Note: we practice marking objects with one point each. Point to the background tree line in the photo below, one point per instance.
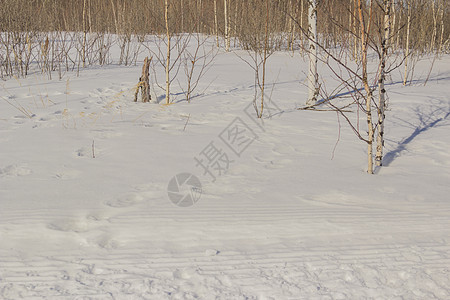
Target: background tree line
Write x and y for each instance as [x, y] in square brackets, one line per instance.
[429, 19]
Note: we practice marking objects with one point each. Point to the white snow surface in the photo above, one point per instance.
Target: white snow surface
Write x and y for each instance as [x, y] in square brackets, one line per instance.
[292, 218]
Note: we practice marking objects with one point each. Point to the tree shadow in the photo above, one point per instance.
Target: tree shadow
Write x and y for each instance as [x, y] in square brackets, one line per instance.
[425, 117]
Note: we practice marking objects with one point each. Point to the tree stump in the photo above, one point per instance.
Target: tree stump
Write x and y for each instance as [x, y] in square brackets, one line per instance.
[143, 84]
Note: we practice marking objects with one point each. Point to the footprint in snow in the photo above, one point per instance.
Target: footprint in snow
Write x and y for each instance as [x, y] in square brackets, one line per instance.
[273, 162]
[84, 152]
[107, 242]
[283, 149]
[212, 252]
[80, 224]
[15, 170]
[125, 200]
[68, 225]
[67, 174]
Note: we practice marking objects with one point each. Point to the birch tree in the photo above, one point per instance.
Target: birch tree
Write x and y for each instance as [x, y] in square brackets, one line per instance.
[441, 40]
[167, 67]
[385, 38]
[227, 26]
[312, 49]
[260, 46]
[265, 55]
[167, 51]
[368, 97]
[408, 30]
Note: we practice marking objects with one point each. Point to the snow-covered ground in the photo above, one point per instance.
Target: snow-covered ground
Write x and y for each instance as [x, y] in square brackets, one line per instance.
[292, 218]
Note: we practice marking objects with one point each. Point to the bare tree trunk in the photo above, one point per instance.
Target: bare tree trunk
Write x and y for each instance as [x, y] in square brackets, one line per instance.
[266, 38]
[435, 24]
[84, 35]
[408, 29]
[182, 16]
[89, 16]
[166, 18]
[227, 29]
[216, 24]
[291, 27]
[302, 5]
[350, 25]
[199, 14]
[399, 26]
[442, 29]
[394, 19]
[364, 44]
[236, 9]
[116, 23]
[144, 84]
[382, 92]
[355, 30]
[312, 31]
[293, 36]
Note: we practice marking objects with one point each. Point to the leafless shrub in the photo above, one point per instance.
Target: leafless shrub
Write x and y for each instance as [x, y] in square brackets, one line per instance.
[197, 60]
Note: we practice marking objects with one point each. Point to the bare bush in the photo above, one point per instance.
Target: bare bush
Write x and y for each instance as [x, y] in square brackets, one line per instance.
[196, 62]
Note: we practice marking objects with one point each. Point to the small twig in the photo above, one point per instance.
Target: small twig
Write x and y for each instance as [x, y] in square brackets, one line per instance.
[93, 149]
[315, 109]
[356, 131]
[339, 136]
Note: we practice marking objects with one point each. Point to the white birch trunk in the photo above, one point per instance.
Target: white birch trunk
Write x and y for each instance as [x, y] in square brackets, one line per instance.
[364, 45]
[442, 29]
[312, 31]
[382, 92]
[166, 17]
[408, 29]
[227, 29]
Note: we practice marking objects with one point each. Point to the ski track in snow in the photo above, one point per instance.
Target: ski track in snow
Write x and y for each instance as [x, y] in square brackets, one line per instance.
[373, 267]
[265, 230]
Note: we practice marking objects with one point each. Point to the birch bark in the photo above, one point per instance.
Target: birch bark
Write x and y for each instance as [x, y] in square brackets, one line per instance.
[227, 29]
[312, 31]
[382, 92]
[167, 67]
[368, 100]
